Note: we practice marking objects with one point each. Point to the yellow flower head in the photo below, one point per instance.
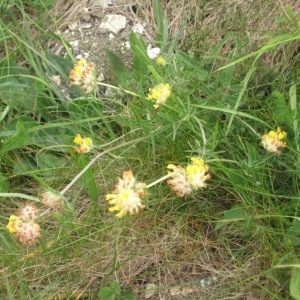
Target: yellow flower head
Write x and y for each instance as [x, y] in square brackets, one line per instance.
[191, 178]
[13, 224]
[23, 226]
[272, 141]
[160, 61]
[126, 196]
[197, 173]
[84, 75]
[85, 144]
[159, 94]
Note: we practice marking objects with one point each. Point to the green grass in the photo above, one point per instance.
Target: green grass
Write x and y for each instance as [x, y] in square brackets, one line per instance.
[237, 238]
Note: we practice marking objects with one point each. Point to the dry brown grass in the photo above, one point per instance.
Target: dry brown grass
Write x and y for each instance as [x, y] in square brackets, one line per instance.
[206, 23]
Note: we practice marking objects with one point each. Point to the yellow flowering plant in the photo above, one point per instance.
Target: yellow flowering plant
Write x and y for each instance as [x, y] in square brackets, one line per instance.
[159, 94]
[160, 61]
[85, 144]
[273, 140]
[185, 180]
[126, 197]
[84, 75]
[24, 226]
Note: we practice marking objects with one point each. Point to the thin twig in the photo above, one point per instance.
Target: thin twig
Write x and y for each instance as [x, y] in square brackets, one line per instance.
[94, 160]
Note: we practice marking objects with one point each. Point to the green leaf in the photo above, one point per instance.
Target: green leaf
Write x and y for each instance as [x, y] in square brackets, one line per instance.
[58, 65]
[106, 294]
[121, 73]
[226, 77]
[27, 122]
[162, 25]
[155, 74]
[159, 19]
[24, 166]
[4, 183]
[236, 213]
[16, 141]
[295, 283]
[141, 60]
[110, 293]
[4, 113]
[53, 137]
[196, 67]
[49, 163]
[293, 233]
[127, 295]
[18, 88]
[80, 109]
[292, 17]
[5, 242]
[89, 180]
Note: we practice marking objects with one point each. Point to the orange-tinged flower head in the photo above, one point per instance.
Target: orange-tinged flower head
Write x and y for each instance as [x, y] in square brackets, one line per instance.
[28, 232]
[28, 212]
[52, 200]
[85, 144]
[193, 177]
[272, 141]
[84, 75]
[160, 93]
[126, 196]
[179, 183]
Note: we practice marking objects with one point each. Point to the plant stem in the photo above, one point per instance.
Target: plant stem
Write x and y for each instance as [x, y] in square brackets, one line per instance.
[95, 159]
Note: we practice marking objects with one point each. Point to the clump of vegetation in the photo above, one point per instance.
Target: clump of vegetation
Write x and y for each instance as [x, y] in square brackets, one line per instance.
[207, 169]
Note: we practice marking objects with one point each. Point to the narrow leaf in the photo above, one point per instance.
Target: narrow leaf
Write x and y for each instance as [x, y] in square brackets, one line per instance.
[295, 283]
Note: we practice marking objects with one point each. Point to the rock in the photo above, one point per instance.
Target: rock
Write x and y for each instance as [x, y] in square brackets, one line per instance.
[86, 25]
[113, 24]
[138, 28]
[104, 3]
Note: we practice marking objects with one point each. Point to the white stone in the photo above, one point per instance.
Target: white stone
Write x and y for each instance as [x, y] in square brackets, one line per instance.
[74, 43]
[113, 24]
[138, 28]
[111, 36]
[86, 25]
[104, 3]
[202, 283]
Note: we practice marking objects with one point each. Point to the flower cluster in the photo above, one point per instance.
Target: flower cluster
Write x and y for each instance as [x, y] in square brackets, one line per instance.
[160, 61]
[84, 75]
[193, 177]
[272, 141]
[85, 144]
[24, 226]
[126, 196]
[52, 200]
[160, 93]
